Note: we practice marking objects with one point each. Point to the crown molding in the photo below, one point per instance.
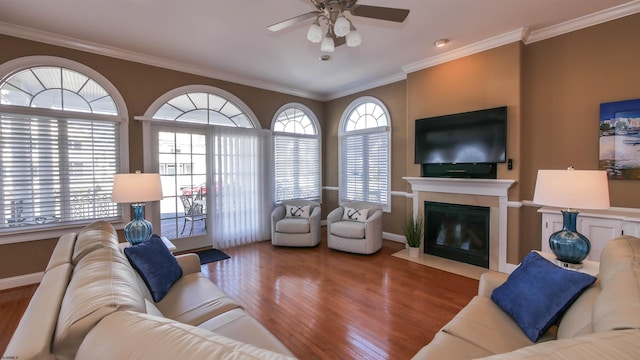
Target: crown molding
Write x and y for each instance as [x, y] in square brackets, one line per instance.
[95, 48]
[368, 86]
[496, 41]
[523, 35]
[593, 19]
[528, 37]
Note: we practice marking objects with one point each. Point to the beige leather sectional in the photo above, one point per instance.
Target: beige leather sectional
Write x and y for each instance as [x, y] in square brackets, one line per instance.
[91, 304]
[603, 323]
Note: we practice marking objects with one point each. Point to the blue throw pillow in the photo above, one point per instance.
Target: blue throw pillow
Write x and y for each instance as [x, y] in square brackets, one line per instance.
[156, 265]
[538, 292]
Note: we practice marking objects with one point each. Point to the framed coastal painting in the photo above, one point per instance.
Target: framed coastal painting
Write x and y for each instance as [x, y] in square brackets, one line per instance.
[620, 139]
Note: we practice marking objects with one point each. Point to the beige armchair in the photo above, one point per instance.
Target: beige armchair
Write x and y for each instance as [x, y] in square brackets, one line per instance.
[355, 227]
[293, 224]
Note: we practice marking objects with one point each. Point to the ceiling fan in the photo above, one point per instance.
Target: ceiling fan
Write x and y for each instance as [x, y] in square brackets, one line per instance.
[340, 30]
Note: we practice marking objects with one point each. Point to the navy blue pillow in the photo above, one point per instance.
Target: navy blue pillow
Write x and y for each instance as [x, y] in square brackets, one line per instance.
[156, 265]
[538, 292]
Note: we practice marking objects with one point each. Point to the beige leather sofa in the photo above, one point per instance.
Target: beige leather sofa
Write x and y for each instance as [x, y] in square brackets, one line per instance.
[91, 304]
[603, 323]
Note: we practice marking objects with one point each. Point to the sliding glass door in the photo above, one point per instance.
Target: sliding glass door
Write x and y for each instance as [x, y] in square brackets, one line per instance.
[181, 155]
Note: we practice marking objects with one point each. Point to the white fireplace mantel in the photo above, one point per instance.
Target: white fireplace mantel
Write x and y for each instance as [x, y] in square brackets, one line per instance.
[488, 187]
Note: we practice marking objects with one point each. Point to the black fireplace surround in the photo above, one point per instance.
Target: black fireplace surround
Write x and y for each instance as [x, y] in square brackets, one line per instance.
[457, 232]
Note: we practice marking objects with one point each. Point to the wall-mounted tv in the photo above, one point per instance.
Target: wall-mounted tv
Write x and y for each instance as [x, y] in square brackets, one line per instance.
[474, 137]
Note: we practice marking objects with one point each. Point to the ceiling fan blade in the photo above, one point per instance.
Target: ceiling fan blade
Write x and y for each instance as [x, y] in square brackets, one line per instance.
[294, 20]
[379, 12]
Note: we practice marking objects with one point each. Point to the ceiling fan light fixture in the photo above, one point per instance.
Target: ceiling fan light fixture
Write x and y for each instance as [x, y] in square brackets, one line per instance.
[342, 26]
[327, 44]
[353, 37]
[340, 29]
[315, 32]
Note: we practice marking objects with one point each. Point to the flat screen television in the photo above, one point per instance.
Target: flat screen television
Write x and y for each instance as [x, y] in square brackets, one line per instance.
[474, 137]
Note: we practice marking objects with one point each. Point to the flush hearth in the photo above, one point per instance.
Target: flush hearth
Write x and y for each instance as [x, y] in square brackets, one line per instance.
[457, 232]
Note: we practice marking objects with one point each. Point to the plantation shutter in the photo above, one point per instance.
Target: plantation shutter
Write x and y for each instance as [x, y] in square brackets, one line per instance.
[297, 167]
[56, 171]
[365, 167]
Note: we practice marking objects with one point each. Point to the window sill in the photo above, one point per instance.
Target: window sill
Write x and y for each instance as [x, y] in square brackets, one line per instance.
[21, 235]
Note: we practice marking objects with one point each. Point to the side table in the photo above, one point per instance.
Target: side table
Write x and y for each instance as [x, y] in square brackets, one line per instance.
[166, 242]
[589, 267]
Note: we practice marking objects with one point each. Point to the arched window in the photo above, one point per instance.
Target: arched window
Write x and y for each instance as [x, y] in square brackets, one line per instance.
[61, 129]
[364, 137]
[204, 107]
[296, 149]
[210, 151]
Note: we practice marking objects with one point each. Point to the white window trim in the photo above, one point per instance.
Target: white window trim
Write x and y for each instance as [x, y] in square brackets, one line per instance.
[155, 106]
[302, 107]
[342, 132]
[147, 119]
[12, 66]
[316, 123]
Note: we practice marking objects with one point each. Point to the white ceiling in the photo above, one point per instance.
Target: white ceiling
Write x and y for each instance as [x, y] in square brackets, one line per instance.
[228, 40]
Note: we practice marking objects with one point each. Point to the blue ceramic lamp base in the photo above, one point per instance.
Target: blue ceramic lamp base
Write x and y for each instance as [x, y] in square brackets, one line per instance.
[569, 246]
[139, 229]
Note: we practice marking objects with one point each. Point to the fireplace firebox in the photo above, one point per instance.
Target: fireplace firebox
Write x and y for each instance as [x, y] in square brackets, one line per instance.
[457, 232]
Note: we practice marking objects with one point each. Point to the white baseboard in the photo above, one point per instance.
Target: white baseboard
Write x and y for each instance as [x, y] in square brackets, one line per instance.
[394, 237]
[21, 280]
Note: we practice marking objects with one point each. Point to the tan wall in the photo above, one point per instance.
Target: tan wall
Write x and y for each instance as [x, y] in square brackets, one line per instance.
[393, 97]
[25, 257]
[553, 89]
[139, 85]
[488, 79]
[566, 79]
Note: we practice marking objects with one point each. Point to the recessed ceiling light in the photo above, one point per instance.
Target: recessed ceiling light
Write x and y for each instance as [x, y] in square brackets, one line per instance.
[441, 42]
[325, 57]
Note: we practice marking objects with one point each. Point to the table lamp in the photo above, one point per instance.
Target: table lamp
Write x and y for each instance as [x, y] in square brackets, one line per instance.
[137, 189]
[571, 189]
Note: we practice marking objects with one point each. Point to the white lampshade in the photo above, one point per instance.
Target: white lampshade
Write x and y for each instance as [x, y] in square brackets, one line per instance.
[315, 33]
[136, 188]
[342, 26]
[572, 189]
[327, 44]
[353, 38]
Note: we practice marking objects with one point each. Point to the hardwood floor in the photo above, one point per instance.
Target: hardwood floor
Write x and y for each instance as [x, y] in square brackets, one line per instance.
[13, 303]
[325, 304]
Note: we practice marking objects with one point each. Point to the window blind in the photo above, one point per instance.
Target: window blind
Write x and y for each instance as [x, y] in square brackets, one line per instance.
[297, 167]
[365, 167]
[56, 171]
